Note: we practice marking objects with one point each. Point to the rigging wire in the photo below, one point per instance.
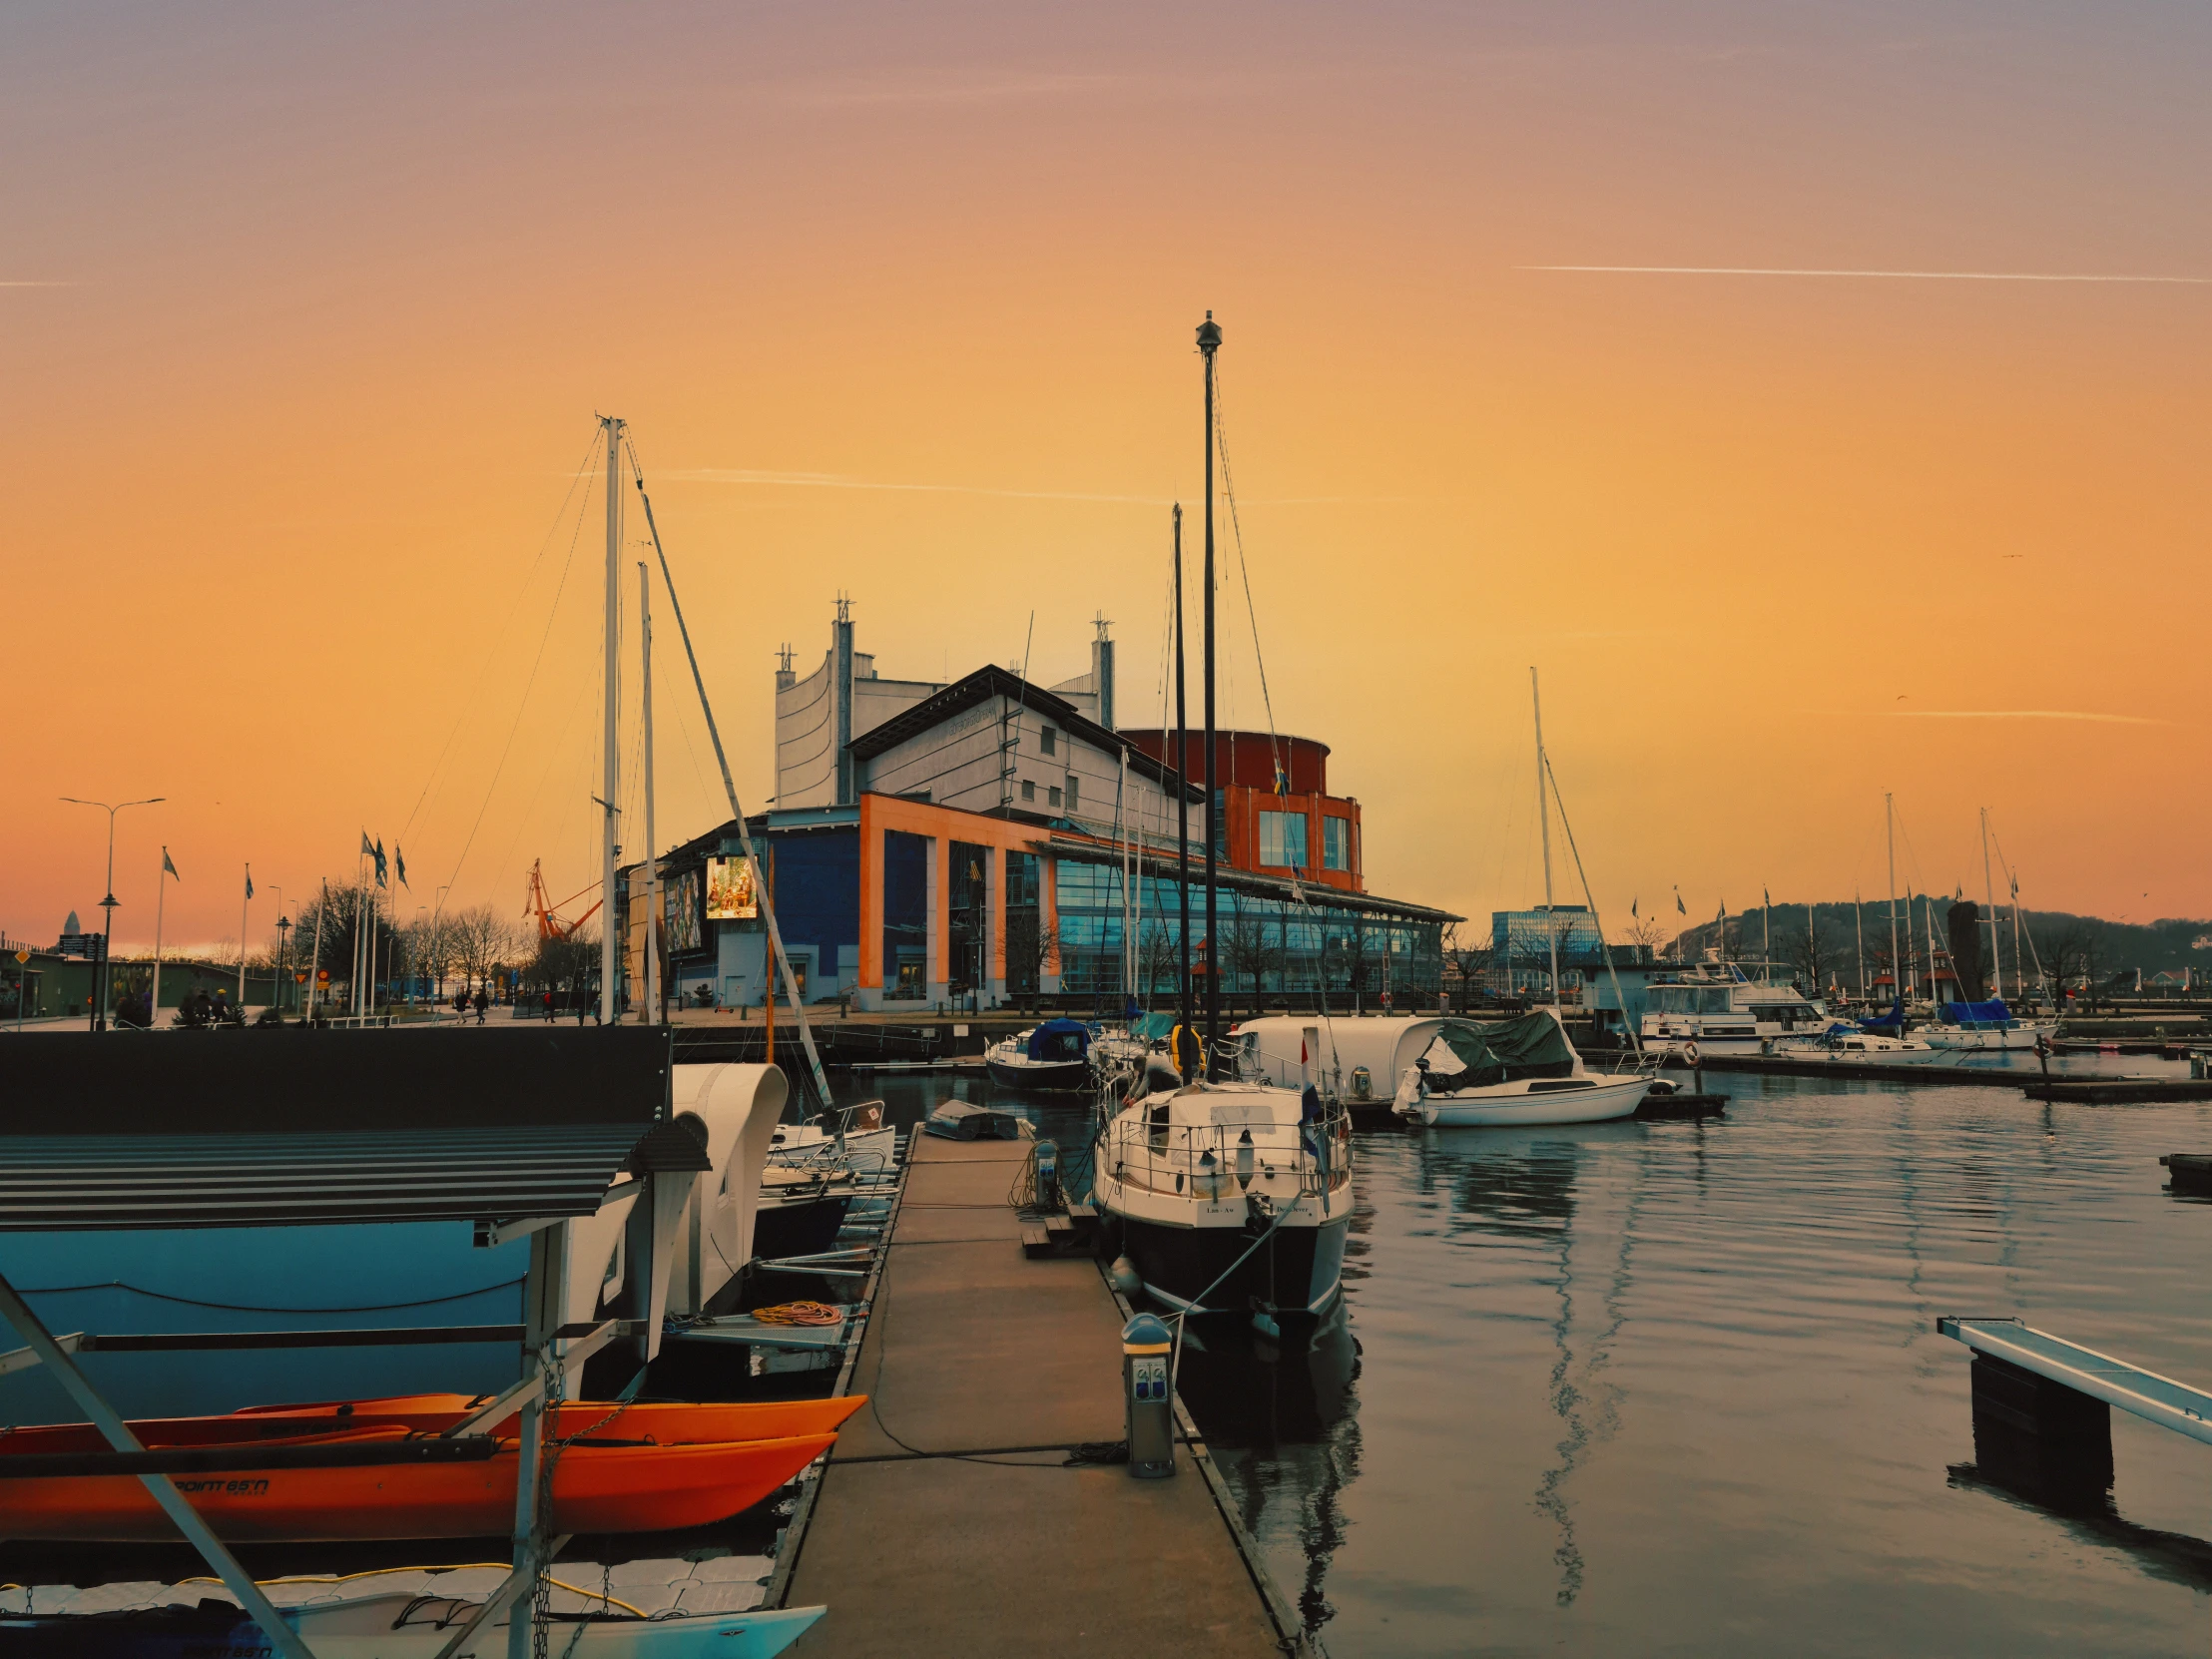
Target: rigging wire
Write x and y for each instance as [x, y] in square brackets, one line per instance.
[1236, 531]
[580, 473]
[522, 704]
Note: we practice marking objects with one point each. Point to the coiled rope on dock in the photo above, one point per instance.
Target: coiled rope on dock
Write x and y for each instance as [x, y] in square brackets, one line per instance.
[798, 1313]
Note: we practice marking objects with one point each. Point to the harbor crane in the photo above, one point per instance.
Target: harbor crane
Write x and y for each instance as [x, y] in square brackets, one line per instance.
[551, 924]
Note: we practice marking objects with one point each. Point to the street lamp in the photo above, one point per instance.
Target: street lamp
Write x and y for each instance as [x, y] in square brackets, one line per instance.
[107, 935]
[283, 937]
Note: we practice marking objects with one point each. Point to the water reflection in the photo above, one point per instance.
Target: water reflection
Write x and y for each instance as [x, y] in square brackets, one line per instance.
[1282, 1421]
[2175, 1557]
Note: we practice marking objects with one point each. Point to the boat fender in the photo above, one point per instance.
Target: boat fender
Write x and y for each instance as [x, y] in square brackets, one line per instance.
[1123, 1275]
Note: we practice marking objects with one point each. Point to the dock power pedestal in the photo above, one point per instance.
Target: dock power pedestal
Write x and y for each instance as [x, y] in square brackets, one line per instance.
[1146, 1348]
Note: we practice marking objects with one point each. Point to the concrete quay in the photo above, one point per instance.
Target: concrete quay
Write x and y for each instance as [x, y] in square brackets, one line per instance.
[949, 1520]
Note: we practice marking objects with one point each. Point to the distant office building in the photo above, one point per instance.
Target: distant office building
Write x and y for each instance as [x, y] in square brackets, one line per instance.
[1520, 946]
[932, 842]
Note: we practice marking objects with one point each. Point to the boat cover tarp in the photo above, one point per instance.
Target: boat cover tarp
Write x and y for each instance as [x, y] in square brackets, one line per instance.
[1155, 1027]
[1060, 1039]
[1504, 1052]
[1976, 1013]
[1890, 1024]
[958, 1120]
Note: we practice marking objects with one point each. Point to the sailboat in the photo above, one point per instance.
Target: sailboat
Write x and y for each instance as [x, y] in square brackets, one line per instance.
[1989, 1024]
[1225, 1194]
[1522, 1071]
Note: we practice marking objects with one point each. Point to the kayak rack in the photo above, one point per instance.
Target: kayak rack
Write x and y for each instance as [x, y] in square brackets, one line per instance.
[518, 1132]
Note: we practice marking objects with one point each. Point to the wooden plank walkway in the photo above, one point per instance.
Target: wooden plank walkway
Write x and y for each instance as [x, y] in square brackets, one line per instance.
[948, 1521]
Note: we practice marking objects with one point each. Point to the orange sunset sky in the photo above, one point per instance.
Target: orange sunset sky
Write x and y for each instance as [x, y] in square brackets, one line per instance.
[309, 312]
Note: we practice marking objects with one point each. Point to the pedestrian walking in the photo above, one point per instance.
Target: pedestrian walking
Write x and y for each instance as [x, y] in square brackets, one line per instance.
[483, 1001]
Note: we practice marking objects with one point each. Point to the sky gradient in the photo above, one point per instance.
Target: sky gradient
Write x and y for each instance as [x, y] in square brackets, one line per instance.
[320, 306]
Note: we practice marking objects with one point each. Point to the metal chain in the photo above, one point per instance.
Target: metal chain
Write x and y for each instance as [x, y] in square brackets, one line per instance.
[541, 1593]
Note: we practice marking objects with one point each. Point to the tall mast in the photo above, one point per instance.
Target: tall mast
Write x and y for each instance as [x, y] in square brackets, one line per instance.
[1544, 813]
[1209, 342]
[1890, 820]
[1989, 892]
[652, 965]
[1182, 814]
[611, 785]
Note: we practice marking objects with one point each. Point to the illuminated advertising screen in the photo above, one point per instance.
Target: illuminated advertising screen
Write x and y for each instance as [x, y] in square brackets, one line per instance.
[680, 897]
[730, 890]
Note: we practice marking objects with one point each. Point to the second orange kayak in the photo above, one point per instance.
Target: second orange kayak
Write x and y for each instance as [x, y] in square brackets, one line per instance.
[653, 1424]
[595, 1488]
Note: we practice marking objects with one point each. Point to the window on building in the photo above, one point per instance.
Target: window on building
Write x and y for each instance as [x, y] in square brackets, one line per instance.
[1048, 739]
[1282, 839]
[1028, 791]
[1072, 797]
[1052, 796]
[1335, 843]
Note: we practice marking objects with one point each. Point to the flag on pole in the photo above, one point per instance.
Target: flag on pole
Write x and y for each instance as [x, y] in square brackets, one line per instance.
[401, 859]
[366, 850]
[1632, 903]
[1680, 907]
[1766, 900]
[169, 868]
[249, 881]
[378, 853]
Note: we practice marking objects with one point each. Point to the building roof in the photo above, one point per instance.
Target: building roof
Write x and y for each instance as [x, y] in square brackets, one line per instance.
[991, 681]
[1245, 880]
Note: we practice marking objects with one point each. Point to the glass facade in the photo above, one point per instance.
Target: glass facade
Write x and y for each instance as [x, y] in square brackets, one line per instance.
[907, 910]
[1335, 843]
[1024, 953]
[1282, 839]
[1268, 946]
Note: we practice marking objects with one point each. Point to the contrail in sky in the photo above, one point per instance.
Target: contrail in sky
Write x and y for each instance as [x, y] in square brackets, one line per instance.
[1899, 275]
[837, 481]
[832, 481]
[2021, 714]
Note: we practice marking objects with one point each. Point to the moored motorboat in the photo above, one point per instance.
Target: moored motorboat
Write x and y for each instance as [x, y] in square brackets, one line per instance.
[1518, 1071]
[1053, 1055]
[801, 1209]
[856, 1136]
[1226, 1194]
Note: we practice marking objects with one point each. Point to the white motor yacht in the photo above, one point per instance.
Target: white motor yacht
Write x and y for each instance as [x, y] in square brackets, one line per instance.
[1518, 1071]
[1726, 1010]
[1226, 1194]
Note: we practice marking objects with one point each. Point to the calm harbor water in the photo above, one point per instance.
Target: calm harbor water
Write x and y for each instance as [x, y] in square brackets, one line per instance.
[1676, 1387]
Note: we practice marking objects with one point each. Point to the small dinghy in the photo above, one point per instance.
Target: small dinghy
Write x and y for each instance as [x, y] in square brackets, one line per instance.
[1511, 1072]
[959, 1119]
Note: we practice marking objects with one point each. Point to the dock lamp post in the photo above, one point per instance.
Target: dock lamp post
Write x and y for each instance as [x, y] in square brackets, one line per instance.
[276, 987]
[107, 935]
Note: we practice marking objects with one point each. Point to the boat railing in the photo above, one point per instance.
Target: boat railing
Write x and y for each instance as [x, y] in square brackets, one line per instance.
[1209, 1159]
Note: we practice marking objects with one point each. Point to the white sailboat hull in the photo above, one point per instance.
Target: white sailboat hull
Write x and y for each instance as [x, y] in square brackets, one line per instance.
[1519, 1103]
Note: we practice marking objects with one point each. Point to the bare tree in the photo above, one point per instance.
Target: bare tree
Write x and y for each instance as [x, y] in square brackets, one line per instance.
[1647, 931]
[1156, 958]
[1468, 955]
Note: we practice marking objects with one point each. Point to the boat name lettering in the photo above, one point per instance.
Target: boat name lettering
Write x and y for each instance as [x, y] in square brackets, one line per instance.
[231, 1488]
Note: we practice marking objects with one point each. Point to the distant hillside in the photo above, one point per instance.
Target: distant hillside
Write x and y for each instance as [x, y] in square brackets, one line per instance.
[2058, 940]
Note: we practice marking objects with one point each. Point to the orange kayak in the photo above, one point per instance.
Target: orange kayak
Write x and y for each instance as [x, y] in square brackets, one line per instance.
[652, 1423]
[622, 1488]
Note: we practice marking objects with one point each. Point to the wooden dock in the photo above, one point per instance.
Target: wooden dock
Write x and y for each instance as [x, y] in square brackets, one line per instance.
[2119, 1091]
[948, 1519]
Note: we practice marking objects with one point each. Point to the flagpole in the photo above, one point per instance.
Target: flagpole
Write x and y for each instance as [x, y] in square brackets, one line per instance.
[314, 968]
[242, 903]
[649, 962]
[161, 892]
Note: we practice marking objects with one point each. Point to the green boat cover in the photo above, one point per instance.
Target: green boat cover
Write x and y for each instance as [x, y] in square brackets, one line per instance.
[1502, 1052]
